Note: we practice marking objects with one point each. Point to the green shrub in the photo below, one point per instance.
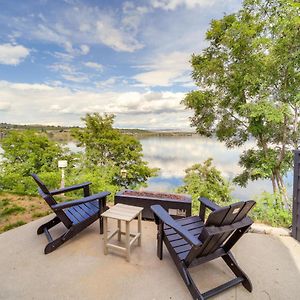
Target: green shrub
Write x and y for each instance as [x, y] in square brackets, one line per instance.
[269, 209]
[25, 185]
[205, 180]
[101, 179]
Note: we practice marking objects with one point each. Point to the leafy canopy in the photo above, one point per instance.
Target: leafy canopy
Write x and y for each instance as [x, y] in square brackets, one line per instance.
[28, 152]
[249, 86]
[106, 146]
[205, 180]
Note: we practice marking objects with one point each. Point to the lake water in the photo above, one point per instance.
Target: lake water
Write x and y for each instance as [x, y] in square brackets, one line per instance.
[173, 154]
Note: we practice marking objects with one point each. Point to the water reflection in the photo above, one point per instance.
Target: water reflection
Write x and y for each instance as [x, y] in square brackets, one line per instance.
[174, 154]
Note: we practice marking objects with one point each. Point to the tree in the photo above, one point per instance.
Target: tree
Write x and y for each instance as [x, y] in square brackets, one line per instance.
[107, 147]
[28, 152]
[205, 180]
[249, 87]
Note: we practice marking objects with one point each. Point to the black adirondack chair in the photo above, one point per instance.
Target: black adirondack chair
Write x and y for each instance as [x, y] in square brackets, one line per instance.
[193, 241]
[76, 215]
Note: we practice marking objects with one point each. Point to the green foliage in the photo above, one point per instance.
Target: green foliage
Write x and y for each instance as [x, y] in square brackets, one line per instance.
[101, 177]
[107, 147]
[204, 180]
[257, 165]
[28, 152]
[12, 210]
[249, 86]
[4, 202]
[269, 210]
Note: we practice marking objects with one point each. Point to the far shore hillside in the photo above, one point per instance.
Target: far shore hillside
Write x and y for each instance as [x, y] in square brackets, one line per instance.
[63, 133]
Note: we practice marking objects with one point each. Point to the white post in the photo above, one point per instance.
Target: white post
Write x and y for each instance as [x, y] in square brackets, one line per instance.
[62, 164]
[62, 183]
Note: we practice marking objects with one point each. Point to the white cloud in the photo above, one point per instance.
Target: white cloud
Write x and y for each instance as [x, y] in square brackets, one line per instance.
[79, 26]
[93, 65]
[4, 106]
[69, 72]
[12, 54]
[84, 49]
[42, 103]
[173, 4]
[165, 70]
[114, 38]
[107, 83]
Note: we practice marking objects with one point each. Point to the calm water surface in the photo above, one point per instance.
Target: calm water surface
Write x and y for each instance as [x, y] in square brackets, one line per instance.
[174, 154]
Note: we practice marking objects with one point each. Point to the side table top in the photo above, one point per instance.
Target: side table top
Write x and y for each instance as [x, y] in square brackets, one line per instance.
[122, 212]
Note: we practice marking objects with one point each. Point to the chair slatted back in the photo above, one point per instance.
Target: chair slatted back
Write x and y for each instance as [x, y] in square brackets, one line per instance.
[46, 195]
[227, 215]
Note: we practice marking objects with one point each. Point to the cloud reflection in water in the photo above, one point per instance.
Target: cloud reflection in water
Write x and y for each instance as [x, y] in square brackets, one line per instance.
[174, 154]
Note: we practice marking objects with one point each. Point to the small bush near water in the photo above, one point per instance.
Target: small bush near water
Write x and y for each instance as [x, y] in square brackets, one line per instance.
[269, 210]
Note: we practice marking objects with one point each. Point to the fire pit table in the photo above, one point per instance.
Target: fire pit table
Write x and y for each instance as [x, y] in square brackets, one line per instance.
[177, 205]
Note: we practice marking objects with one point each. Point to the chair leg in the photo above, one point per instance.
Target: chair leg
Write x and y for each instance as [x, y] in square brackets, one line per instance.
[60, 240]
[102, 208]
[48, 225]
[101, 225]
[191, 285]
[233, 265]
[160, 234]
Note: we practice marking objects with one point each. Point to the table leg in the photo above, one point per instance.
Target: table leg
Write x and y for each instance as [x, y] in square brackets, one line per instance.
[140, 229]
[105, 235]
[127, 240]
[119, 228]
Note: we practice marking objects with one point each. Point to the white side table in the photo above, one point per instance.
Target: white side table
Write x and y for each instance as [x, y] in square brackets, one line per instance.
[127, 213]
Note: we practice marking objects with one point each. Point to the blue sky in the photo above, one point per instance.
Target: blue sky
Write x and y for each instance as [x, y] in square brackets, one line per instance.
[61, 59]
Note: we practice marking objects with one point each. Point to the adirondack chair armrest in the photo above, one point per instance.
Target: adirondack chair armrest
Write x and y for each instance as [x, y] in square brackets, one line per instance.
[70, 188]
[165, 218]
[63, 205]
[206, 203]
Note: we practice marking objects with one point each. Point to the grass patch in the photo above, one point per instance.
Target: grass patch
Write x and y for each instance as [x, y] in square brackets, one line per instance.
[40, 214]
[15, 209]
[13, 225]
[4, 202]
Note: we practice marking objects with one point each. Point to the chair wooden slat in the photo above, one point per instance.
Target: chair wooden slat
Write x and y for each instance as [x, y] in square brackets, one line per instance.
[182, 256]
[76, 214]
[223, 228]
[241, 214]
[84, 212]
[188, 220]
[182, 248]
[72, 217]
[178, 242]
